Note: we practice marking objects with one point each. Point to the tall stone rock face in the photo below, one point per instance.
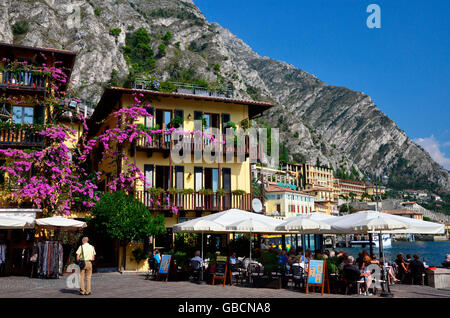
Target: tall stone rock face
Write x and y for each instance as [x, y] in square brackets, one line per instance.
[318, 122]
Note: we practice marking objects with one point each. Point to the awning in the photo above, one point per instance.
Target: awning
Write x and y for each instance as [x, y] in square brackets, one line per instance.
[227, 218]
[59, 222]
[17, 218]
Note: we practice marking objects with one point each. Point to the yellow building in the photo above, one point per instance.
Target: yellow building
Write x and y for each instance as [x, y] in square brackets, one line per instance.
[405, 213]
[21, 88]
[373, 190]
[345, 187]
[310, 176]
[323, 198]
[286, 202]
[201, 187]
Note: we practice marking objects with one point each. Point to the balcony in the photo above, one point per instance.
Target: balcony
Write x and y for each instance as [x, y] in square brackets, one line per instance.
[185, 88]
[20, 138]
[161, 142]
[23, 80]
[196, 201]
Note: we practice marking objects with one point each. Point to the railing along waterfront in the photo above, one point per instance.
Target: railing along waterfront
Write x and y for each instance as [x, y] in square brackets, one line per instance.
[161, 141]
[195, 201]
[20, 138]
[23, 80]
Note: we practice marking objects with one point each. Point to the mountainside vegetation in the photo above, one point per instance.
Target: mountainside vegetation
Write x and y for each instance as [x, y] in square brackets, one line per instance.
[170, 40]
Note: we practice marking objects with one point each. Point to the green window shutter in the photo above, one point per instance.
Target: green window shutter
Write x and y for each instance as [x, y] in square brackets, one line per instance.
[39, 115]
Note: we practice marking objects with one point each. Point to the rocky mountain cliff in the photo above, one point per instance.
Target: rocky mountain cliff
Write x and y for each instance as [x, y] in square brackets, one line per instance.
[333, 125]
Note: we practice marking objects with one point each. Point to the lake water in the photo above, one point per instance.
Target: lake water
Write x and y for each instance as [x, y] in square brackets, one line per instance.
[433, 252]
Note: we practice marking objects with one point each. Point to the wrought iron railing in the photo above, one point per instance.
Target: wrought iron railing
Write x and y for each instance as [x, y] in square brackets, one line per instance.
[195, 201]
[161, 141]
[20, 138]
[186, 88]
[23, 80]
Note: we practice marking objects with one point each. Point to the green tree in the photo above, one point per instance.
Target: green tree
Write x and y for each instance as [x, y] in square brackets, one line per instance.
[115, 32]
[20, 27]
[122, 217]
[162, 50]
[167, 37]
[114, 80]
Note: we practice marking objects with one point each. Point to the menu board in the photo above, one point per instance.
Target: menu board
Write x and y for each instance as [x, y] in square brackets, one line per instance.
[315, 274]
[221, 266]
[165, 264]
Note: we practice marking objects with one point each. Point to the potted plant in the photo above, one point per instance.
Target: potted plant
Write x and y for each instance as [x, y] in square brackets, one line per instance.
[155, 191]
[221, 192]
[238, 192]
[206, 191]
[187, 191]
[270, 263]
[173, 191]
[177, 122]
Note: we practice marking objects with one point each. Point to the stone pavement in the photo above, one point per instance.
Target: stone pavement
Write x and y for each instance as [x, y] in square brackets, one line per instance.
[113, 285]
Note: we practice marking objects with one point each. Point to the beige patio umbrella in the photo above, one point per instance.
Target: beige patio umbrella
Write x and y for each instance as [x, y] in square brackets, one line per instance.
[251, 226]
[59, 222]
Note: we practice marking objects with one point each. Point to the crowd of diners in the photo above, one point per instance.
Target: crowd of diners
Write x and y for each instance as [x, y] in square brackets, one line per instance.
[408, 269]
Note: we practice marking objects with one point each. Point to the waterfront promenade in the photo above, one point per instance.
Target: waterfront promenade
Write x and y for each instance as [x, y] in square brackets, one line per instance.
[113, 285]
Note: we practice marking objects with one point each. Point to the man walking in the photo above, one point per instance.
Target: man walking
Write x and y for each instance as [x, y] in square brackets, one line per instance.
[86, 253]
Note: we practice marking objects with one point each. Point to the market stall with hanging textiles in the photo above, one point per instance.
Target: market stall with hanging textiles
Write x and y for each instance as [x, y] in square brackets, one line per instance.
[48, 252]
[16, 240]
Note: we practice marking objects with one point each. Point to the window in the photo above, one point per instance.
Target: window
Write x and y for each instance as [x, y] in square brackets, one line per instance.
[225, 120]
[179, 113]
[148, 173]
[149, 120]
[22, 115]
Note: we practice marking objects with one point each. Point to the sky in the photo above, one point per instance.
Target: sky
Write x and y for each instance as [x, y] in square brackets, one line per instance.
[403, 65]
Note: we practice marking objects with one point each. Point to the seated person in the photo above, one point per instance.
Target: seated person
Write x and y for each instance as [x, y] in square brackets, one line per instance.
[197, 258]
[157, 258]
[350, 270]
[446, 263]
[365, 273]
[352, 273]
[283, 257]
[416, 268]
[374, 260]
[233, 258]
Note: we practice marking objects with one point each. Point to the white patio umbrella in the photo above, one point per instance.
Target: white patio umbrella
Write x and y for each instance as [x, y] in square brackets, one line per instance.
[16, 222]
[199, 225]
[303, 224]
[251, 226]
[371, 221]
[381, 222]
[360, 222]
[308, 223]
[59, 222]
[416, 226]
[228, 217]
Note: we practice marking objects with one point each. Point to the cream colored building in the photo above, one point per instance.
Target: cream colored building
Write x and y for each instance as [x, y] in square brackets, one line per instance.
[286, 202]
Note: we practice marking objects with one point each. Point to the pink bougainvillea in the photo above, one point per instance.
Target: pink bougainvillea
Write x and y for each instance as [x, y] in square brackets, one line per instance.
[56, 178]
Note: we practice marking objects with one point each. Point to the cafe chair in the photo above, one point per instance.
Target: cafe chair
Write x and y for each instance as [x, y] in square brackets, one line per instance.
[196, 269]
[152, 268]
[237, 273]
[298, 276]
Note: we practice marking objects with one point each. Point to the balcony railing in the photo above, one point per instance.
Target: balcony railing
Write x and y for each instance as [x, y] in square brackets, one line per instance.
[195, 201]
[20, 138]
[23, 80]
[161, 141]
[190, 89]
